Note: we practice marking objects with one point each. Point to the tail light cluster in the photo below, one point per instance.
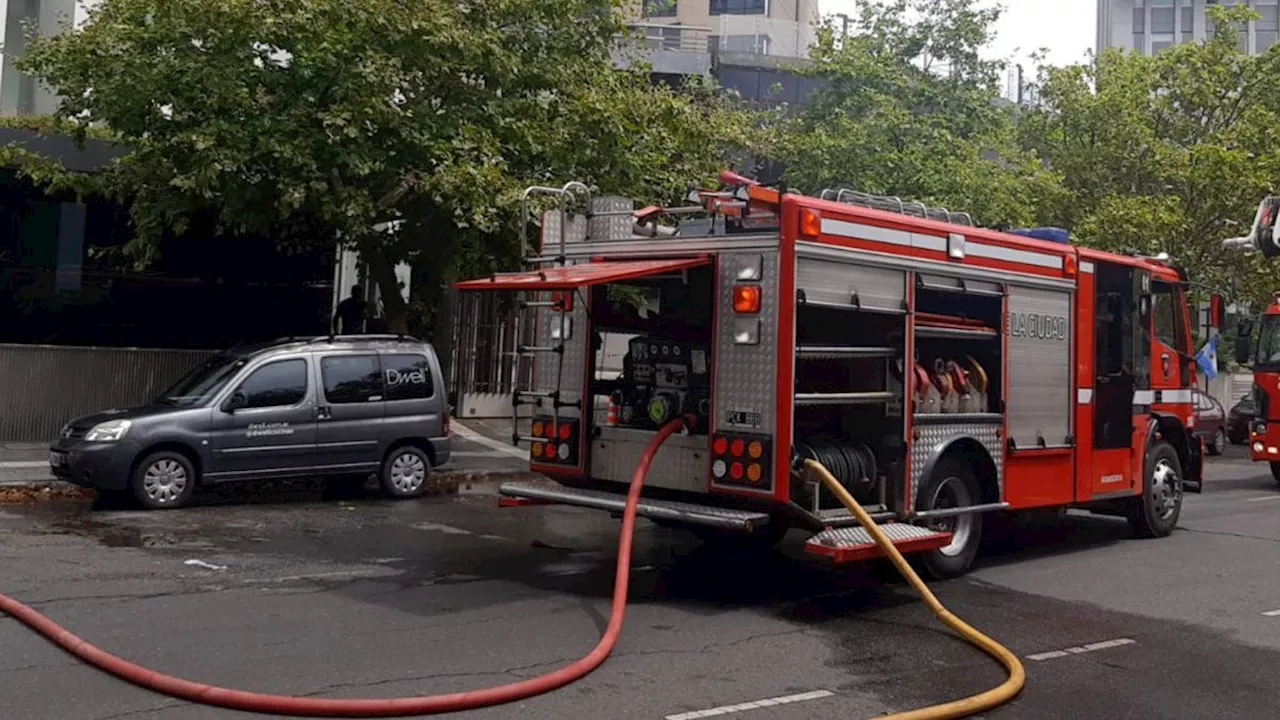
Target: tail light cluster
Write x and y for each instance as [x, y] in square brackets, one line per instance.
[557, 441]
[742, 461]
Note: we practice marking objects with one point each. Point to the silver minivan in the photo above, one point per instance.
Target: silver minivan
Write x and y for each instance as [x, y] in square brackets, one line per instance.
[339, 407]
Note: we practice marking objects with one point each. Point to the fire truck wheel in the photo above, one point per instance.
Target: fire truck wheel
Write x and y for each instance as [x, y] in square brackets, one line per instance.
[952, 485]
[1275, 471]
[405, 472]
[1155, 512]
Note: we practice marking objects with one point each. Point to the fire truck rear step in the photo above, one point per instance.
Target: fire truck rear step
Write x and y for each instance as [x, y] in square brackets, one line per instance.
[854, 544]
[744, 521]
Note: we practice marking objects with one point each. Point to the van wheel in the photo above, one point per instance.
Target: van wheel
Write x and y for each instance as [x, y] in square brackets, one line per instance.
[1218, 444]
[952, 485]
[1155, 512]
[405, 472]
[164, 480]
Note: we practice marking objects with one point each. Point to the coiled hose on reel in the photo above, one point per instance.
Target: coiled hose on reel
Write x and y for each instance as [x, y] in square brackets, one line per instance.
[852, 463]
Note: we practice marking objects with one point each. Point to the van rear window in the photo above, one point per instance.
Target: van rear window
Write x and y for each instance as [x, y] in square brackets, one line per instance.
[407, 377]
[351, 378]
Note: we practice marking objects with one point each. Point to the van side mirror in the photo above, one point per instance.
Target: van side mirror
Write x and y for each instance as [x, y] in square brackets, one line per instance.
[237, 400]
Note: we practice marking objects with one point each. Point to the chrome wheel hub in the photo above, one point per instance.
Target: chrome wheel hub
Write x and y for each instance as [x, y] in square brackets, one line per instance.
[952, 493]
[1166, 490]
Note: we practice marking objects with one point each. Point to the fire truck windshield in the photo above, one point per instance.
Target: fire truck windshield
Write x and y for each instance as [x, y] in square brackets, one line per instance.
[1269, 342]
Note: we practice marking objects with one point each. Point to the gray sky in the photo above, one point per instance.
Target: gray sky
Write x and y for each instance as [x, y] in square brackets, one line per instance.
[1067, 28]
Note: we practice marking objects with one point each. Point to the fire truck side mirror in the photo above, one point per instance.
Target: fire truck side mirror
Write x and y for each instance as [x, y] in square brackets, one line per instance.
[1244, 332]
[1264, 225]
[1216, 305]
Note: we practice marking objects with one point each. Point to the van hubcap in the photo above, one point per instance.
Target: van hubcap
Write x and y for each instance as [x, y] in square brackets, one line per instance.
[408, 472]
[165, 481]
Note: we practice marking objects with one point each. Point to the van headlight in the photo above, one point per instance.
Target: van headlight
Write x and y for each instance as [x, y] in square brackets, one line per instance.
[109, 431]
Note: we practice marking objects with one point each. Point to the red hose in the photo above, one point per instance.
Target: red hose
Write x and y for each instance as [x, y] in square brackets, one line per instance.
[369, 707]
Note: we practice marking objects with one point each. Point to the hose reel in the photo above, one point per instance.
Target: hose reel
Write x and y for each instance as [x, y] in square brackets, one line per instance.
[852, 463]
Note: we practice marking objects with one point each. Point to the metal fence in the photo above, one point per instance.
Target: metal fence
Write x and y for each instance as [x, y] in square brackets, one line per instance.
[44, 386]
[484, 348]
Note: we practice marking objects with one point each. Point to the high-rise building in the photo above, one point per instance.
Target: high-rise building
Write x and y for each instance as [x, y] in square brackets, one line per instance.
[21, 94]
[1149, 26]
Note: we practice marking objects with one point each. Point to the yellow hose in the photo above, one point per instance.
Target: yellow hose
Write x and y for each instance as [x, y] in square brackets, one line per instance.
[964, 707]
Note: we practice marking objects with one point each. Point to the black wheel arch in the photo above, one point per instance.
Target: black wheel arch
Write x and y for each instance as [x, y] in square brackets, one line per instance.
[965, 448]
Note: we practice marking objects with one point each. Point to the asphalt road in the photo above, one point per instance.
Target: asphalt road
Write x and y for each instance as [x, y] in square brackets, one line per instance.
[297, 594]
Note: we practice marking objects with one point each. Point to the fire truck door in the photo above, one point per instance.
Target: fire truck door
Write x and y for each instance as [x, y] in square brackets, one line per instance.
[1119, 368]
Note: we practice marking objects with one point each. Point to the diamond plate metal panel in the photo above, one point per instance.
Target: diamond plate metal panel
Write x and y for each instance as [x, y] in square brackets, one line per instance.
[681, 463]
[576, 231]
[848, 536]
[1041, 401]
[932, 436]
[610, 227]
[745, 386]
[573, 367]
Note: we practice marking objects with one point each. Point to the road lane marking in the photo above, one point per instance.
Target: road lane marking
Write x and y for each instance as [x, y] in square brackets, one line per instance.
[24, 464]
[755, 705]
[1272, 613]
[465, 432]
[1263, 498]
[1081, 649]
[490, 455]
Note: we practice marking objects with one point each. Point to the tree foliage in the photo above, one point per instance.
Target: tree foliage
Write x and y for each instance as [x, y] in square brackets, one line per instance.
[909, 108]
[312, 120]
[1170, 153]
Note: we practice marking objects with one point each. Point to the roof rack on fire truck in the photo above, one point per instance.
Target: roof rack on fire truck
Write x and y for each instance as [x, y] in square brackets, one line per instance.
[890, 203]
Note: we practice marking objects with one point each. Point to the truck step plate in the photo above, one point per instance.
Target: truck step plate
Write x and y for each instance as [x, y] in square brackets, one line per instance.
[854, 544]
[670, 510]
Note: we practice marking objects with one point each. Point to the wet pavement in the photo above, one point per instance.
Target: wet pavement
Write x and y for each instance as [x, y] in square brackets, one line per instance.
[296, 593]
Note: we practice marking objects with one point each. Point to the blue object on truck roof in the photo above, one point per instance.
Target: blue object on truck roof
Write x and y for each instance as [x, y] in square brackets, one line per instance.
[1052, 234]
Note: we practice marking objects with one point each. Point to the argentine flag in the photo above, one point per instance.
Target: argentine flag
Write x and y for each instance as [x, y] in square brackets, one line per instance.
[1207, 358]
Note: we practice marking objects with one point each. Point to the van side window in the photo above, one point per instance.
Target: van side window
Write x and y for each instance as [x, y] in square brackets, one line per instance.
[277, 384]
[408, 377]
[351, 378]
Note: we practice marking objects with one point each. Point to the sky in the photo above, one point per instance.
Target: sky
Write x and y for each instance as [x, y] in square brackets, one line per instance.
[1066, 28]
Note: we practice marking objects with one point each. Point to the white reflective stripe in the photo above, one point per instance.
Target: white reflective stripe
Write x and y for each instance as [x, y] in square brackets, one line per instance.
[1026, 257]
[1086, 266]
[1143, 397]
[903, 238]
[1175, 396]
[1084, 396]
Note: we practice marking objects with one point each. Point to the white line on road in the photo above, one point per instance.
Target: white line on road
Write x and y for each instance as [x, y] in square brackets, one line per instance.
[491, 455]
[1272, 613]
[23, 465]
[758, 704]
[1104, 645]
[1264, 498]
[475, 437]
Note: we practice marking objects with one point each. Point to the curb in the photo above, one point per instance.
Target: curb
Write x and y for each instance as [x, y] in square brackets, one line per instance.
[443, 483]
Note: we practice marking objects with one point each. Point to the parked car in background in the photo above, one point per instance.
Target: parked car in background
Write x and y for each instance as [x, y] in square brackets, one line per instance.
[1240, 418]
[1211, 422]
[336, 407]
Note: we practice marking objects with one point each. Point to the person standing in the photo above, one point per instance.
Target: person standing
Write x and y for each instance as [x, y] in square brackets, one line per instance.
[349, 319]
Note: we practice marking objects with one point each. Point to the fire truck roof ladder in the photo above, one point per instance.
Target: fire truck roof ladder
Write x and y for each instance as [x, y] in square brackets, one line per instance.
[895, 204]
[521, 395]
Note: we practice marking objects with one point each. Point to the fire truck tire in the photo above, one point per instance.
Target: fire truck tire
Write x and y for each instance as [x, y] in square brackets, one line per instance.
[1275, 472]
[1155, 512]
[952, 484]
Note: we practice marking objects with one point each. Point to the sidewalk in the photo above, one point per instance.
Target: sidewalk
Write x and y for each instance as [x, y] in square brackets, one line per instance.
[480, 448]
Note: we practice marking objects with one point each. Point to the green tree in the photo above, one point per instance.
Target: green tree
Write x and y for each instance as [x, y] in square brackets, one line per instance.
[312, 120]
[910, 109]
[1170, 153]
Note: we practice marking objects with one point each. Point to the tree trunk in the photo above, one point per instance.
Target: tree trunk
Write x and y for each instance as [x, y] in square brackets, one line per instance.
[394, 307]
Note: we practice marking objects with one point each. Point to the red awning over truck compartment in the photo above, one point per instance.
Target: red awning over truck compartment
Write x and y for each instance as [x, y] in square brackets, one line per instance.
[572, 277]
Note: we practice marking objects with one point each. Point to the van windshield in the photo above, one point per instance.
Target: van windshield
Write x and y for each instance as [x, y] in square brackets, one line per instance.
[201, 384]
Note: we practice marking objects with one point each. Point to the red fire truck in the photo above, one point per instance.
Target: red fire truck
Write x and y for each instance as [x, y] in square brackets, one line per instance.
[940, 370]
[1264, 431]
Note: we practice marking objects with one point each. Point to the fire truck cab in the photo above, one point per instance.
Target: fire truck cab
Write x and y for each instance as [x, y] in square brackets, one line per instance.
[940, 371]
[1264, 432]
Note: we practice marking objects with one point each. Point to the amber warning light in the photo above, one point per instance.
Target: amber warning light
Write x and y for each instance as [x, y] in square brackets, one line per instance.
[746, 298]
